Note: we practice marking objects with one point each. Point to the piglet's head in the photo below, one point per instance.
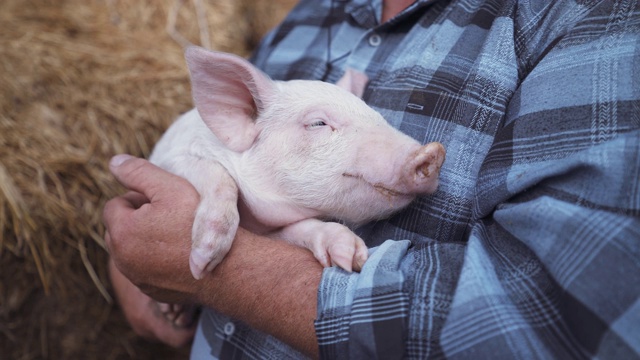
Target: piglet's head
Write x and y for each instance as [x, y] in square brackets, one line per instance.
[308, 147]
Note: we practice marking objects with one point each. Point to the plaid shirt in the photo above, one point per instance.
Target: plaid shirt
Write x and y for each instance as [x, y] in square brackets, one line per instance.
[530, 248]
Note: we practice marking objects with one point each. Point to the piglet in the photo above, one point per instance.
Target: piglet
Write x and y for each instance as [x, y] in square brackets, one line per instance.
[283, 158]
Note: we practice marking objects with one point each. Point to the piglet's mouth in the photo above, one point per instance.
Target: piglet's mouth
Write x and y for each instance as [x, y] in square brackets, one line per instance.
[385, 191]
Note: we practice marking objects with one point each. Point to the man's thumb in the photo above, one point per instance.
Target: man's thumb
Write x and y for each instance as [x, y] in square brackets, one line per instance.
[140, 175]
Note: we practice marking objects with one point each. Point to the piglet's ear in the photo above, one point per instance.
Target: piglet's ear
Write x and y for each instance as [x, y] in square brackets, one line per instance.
[353, 81]
[229, 93]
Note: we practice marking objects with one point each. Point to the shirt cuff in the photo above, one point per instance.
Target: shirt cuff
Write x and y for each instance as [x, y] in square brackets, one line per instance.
[364, 315]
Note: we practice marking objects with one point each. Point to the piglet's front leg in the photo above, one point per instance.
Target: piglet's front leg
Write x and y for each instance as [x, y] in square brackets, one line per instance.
[214, 229]
[216, 219]
[331, 243]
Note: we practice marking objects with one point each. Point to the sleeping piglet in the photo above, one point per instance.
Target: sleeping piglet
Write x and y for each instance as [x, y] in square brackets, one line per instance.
[283, 158]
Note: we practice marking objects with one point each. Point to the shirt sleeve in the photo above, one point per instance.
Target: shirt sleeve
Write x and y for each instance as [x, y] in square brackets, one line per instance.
[551, 265]
[553, 272]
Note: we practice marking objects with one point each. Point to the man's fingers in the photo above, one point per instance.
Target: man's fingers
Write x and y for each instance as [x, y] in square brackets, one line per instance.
[117, 211]
[143, 177]
[135, 199]
[139, 310]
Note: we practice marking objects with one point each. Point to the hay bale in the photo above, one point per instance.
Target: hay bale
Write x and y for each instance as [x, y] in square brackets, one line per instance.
[81, 81]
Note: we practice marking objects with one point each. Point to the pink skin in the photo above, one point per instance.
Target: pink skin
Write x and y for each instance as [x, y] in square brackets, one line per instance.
[283, 156]
[348, 162]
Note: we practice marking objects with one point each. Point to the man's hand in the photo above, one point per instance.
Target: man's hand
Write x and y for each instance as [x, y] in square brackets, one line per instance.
[144, 315]
[149, 229]
[145, 213]
[268, 284]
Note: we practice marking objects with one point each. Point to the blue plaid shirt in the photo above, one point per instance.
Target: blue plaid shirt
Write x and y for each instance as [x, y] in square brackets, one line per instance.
[530, 248]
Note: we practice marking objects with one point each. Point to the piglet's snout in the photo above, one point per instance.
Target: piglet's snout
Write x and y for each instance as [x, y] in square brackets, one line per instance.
[422, 168]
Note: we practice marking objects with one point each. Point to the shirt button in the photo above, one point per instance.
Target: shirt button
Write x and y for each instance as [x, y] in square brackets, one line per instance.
[229, 328]
[375, 40]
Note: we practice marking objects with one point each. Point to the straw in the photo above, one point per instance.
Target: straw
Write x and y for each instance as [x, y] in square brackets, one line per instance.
[81, 81]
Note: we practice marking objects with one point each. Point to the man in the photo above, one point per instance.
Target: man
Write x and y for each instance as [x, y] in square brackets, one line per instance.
[529, 249]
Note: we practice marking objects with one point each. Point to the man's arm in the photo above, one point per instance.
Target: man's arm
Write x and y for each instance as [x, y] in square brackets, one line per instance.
[268, 284]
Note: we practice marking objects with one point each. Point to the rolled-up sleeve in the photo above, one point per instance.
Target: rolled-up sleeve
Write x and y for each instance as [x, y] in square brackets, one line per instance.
[369, 308]
[394, 308]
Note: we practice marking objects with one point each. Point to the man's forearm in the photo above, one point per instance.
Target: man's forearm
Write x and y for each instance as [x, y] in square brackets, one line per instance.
[270, 285]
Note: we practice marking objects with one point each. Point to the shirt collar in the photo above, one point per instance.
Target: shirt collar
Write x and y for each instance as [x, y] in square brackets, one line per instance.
[367, 13]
